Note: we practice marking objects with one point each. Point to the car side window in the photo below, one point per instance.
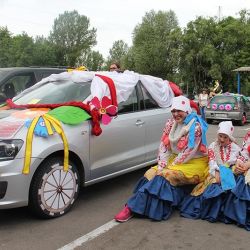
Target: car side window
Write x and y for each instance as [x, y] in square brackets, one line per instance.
[16, 84]
[149, 102]
[130, 105]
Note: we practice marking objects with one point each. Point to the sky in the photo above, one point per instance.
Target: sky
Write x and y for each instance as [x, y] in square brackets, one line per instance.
[113, 19]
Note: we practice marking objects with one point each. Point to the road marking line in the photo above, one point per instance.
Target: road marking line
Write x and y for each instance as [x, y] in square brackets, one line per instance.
[90, 236]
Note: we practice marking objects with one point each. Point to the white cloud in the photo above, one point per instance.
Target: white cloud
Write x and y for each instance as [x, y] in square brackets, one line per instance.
[114, 19]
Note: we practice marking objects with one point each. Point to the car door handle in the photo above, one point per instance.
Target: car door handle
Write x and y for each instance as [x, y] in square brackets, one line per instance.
[139, 123]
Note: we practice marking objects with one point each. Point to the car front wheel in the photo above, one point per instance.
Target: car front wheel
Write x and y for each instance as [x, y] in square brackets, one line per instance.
[243, 120]
[53, 191]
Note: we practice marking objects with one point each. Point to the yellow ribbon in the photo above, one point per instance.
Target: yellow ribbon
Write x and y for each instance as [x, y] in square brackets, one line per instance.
[81, 68]
[50, 122]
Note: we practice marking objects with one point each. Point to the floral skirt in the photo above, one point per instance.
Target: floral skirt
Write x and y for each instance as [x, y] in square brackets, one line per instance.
[155, 196]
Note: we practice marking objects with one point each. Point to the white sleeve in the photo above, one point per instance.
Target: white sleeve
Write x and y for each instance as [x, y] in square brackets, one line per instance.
[213, 166]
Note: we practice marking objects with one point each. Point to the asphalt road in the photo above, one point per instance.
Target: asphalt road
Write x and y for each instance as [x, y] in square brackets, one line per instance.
[98, 204]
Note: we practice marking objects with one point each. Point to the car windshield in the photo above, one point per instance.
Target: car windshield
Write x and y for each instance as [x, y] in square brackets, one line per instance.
[223, 99]
[56, 92]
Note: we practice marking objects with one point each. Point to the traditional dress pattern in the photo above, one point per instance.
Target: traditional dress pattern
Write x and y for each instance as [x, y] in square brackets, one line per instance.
[237, 206]
[207, 199]
[161, 188]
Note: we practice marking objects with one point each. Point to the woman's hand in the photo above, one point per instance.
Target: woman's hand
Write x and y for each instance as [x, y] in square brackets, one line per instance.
[217, 176]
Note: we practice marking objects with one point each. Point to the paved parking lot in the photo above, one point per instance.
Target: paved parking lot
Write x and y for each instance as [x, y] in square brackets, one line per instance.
[97, 206]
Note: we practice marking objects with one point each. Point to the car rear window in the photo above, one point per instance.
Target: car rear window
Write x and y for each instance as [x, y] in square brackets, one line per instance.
[223, 99]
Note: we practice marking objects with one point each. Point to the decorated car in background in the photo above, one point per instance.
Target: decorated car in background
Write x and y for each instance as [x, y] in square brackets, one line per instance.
[75, 129]
[228, 106]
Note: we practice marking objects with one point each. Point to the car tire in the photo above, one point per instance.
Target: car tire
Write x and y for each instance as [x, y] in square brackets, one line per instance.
[209, 121]
[243, 120]
[53, 191]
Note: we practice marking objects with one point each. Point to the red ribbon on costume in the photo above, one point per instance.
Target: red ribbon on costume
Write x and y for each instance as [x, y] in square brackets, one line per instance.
[96, 128]
[112, 88]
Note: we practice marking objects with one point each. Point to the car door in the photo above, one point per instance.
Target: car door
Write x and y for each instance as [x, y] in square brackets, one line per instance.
[122, 143]
[155, 119]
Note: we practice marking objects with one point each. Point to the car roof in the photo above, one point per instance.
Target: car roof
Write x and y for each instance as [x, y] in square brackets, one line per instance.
[32, 69]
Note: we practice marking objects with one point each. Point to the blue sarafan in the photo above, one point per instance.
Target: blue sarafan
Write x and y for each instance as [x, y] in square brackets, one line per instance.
[228, 106]
[46, 155]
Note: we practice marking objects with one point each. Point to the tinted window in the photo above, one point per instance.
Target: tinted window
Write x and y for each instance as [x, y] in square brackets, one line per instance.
[16, 84]
[43, 74]
[223, 99]
[149, 102]
[130, 105]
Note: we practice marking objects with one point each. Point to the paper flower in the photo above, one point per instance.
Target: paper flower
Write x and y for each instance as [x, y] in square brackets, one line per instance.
[228, 107]
[221, 107]
[214, 106]
[105, 108]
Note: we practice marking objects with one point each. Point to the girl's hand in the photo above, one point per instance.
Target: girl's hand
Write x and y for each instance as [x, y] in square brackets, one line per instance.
[217, 176]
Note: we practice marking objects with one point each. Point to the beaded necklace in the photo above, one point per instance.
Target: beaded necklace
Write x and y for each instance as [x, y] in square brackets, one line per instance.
[219, 153]
[228, 154]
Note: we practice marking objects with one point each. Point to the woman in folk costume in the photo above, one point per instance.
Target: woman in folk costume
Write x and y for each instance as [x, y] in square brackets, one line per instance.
[182, 160]
[207, 199]
[237, 207]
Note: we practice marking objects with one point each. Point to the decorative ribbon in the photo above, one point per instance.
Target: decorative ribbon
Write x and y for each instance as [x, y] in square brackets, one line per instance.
[50, 122]
[112, 88]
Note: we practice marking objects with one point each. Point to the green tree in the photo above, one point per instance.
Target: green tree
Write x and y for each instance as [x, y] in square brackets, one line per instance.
[117, 52]
[44, 53]
[156, 44]
[93, 60]
[22, 50]
[5, 46]
[127, 60]
[72, 37]
[198, 64]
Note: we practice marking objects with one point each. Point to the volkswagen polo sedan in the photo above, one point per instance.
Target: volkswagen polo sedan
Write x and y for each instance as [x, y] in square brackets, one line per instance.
[46, 172]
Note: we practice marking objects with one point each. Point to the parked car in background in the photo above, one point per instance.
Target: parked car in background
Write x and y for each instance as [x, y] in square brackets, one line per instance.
[128, 143]
[228, 107]
[14, 80]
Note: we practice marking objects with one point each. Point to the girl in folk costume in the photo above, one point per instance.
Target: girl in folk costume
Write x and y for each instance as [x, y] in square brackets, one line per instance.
[182, 160]
[237, 207]
[207, 199]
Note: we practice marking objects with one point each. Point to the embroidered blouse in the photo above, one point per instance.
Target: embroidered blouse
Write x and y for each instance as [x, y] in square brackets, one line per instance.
[180, 146]
[244, 154]
[218, 155]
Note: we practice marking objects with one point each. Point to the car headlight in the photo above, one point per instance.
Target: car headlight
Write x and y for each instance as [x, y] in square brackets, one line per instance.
[9, 149]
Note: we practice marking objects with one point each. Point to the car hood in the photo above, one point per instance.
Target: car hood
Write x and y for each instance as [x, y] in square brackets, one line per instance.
[11, 121]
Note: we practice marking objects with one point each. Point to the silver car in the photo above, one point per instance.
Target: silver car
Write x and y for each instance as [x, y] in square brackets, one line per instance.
[228, 107]
[128, 143]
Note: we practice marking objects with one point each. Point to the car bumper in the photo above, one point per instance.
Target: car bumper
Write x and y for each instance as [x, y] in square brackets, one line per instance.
[14, 186]
[218, 115]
